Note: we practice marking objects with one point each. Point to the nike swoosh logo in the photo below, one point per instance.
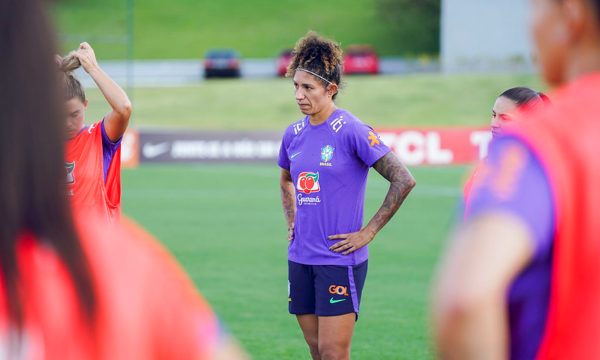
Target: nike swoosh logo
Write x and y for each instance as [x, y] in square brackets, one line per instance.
[153, 150]
[295, 154]
[332, 301]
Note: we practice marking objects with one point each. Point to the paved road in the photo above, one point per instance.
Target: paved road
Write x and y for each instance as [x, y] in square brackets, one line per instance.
[185, 72]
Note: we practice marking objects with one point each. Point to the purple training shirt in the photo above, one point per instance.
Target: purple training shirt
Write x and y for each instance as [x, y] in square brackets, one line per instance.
[516, 183]
[329, 164]
[108, 150]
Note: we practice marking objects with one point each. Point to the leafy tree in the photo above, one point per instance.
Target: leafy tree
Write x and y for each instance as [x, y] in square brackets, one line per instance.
[415, 24]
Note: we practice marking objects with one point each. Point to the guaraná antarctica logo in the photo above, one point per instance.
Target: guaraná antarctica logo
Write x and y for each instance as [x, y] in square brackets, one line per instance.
[326, 155]
[308, 183]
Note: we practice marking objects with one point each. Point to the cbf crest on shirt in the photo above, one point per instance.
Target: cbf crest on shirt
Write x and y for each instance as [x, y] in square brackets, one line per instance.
[329, 164]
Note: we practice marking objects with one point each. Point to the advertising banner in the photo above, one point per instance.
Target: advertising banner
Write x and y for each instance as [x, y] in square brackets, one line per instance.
[209, 146]
[437, 146]
[414, 146]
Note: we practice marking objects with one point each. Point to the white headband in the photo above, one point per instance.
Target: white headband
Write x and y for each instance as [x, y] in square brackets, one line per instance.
[315, 74]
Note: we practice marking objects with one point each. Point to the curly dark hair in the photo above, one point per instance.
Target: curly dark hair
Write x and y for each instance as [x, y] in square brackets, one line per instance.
[319, 55]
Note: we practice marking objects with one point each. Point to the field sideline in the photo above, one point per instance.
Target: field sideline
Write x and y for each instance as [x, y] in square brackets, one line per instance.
[225, 225]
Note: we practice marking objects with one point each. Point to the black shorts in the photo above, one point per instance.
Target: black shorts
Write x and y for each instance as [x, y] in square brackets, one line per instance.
[325, 290]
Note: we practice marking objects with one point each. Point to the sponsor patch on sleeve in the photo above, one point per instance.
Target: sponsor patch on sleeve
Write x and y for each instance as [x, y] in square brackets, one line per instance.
[373, 138]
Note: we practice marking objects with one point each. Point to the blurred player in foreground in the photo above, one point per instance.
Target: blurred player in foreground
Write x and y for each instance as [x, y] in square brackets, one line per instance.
[325, 159]
[521, 279]
[505, 110]
[93, 153]
[76, 289]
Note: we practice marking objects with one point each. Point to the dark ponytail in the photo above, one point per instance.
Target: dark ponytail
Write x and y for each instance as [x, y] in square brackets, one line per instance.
[72, 86]
[526, 97]
[545, 99]
[33, 183]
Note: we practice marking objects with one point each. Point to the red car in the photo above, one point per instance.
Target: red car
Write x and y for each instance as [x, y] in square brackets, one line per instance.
[284, 59]
[361, 59]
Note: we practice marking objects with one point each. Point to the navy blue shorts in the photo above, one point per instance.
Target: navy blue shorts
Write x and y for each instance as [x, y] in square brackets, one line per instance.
[325, 290]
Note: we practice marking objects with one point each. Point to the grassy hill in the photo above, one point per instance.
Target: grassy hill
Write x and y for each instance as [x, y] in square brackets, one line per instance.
[382, 101]
[187, 28]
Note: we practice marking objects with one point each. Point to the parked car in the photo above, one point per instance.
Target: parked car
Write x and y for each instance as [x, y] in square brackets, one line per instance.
[283, 61]
[221, 63]
[361, 59]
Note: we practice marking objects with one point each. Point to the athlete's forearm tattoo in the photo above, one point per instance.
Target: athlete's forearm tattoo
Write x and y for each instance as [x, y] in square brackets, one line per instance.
[288, 197]
[401, 183]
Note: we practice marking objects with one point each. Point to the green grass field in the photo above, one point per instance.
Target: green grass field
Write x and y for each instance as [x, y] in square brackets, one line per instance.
[187, 28]
[381, 101]
[225, 224]
[226, 227]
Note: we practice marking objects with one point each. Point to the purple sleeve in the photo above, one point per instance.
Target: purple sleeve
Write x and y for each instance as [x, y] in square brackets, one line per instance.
[108, 150]
[367, 144]
[514, 181]
[284, 160]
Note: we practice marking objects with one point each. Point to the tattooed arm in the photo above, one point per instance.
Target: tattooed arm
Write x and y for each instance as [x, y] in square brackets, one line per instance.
[401, 183]
[288, 200]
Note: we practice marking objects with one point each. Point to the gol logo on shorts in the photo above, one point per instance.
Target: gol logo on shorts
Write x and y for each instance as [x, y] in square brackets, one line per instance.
[338, 290]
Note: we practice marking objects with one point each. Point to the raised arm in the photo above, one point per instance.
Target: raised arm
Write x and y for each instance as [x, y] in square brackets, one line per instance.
[401, 183]
[117, 120]
[288, 200]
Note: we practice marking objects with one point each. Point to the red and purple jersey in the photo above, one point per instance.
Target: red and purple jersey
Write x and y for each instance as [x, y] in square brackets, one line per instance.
[93, 170]
[512, 180]
[565, 140]
[545, 175]
[329, 164]
[146, 306]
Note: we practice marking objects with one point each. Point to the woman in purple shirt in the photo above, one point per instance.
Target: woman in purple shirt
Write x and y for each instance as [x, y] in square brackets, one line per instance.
[325, 159]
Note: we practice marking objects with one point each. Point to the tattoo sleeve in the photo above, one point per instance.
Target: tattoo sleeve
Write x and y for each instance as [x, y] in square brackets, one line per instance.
[288, 197]
[401, 183]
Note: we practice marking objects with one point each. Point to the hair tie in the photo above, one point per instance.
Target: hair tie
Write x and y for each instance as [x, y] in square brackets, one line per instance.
[315, 74]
